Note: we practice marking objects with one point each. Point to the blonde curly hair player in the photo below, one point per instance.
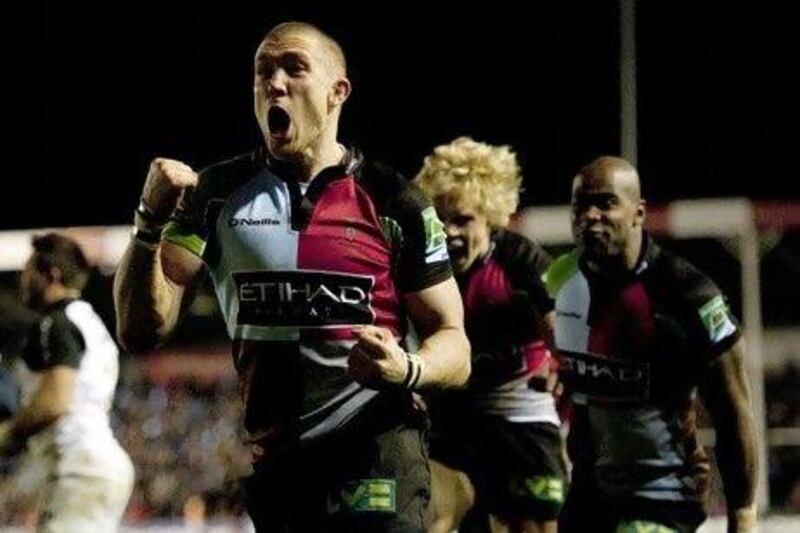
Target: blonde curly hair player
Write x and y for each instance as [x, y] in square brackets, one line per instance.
[496, 446]
[489, 176]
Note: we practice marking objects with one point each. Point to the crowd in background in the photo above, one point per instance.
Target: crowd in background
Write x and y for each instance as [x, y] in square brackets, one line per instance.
[186, 440]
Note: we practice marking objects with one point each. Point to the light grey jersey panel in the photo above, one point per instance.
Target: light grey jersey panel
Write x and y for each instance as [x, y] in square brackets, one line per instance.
[254, 225]
[637, 452]
[517, 402]
[572, 318]
[572, 314]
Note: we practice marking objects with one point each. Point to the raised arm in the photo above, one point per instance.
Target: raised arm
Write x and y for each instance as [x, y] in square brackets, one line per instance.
[154, 278]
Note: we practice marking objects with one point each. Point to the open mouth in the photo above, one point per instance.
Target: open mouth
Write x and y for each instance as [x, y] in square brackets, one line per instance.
[278, 121]
[593, 234]
[595, 241]
[456, 247]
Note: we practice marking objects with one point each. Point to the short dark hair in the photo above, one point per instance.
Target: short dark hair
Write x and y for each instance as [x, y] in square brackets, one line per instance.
[53, 250]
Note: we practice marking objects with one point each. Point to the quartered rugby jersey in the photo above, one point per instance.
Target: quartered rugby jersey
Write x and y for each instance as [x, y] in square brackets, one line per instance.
[632, 350]
[503, 299]
[295, 271]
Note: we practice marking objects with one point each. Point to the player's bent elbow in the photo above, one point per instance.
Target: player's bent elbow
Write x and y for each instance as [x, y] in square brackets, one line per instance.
[465, 369]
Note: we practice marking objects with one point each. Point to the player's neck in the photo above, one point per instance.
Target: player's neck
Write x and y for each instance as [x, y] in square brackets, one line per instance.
[621, 264]
[331, 155]
[326, 152]
[633, 251]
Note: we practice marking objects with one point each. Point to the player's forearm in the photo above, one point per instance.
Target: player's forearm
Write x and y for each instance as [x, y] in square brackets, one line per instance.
[446, 359]
[45, 407]
[33, 418]
[726, 393]
[146, 301]
[738, 464]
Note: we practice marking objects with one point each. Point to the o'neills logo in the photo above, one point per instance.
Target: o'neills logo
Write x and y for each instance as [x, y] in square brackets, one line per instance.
[603, 378]
[235, 222]
[303, 299]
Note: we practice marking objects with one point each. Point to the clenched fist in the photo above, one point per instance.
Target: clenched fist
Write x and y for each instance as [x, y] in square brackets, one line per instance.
[166, 181]
[377, 361]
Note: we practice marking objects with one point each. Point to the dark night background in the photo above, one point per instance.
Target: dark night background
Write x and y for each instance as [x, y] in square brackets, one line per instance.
[98, 91]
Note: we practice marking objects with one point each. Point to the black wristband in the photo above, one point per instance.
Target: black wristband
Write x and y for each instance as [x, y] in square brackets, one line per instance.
[147, 227]
[148, 216]
[150, 238]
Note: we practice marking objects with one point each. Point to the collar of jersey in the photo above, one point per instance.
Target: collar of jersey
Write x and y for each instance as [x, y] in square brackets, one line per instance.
[303, 203]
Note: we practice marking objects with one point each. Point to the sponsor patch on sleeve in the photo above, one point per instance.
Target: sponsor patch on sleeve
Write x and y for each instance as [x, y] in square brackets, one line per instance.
[716, 318]
[435, 239]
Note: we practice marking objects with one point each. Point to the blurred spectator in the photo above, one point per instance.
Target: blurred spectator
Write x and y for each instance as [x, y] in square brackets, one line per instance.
[184, 440]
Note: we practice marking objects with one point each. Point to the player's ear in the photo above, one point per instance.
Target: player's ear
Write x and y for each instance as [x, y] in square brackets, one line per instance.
[640, 215]
[340, 92]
